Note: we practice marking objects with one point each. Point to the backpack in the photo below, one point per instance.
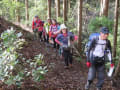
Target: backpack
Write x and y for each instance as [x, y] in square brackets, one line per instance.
[95, 42]
[93, 35]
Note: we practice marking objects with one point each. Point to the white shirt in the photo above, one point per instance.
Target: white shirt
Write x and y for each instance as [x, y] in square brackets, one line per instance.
[99, 48]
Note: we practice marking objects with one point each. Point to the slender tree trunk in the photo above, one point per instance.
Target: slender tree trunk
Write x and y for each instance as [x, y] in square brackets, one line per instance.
[115, 27]
[117, 71]
[49, 8]
[57, 8]
[17, 13]
[80, 24]
[64, 10]
[104, 8]
[69, 4]
[27, 12]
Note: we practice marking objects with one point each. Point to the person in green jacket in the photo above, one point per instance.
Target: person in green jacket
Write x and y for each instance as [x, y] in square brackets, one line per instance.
[47, 26]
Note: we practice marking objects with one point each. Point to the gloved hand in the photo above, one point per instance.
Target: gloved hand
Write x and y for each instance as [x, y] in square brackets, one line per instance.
[88, 64]
[112, 65]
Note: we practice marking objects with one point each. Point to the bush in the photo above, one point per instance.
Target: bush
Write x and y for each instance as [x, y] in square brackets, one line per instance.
[97, 22]
[12, 71]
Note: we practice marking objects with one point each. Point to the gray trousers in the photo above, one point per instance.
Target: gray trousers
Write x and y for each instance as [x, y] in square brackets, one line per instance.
[99, 71]
[35, 34]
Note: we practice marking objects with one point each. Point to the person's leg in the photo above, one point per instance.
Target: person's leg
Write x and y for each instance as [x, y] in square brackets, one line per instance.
[44, 36]
[47, 38]
[58, 46]
[100, 75]
[91, 76]
[35, 34]
[65, 55]
[70, 59]
[40, 35]
[54, 42]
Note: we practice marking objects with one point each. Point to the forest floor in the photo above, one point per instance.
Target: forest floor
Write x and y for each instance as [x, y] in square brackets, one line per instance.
[57, 77]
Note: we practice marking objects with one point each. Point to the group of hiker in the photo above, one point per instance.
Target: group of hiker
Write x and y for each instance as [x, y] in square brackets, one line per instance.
[59, 35]
[98, 47]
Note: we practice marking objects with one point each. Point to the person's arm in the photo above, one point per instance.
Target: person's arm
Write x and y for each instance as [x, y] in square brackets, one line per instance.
[92, 45]
[109, 53]
[57, 40]
[50, 29]
[32, 25]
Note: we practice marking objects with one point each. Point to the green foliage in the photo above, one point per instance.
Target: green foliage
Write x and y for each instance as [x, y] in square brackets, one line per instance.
[37, 70]
[9, 56]
[12, 71]
[9, 8]
[96, 23]
[40, 9]
[69, 23]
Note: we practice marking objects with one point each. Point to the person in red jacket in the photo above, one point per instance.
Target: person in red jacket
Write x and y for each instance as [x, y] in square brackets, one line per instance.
[34, 27]
[40, 26]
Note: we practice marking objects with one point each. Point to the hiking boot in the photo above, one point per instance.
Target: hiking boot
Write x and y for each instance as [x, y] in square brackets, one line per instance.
[66, 67]
[87, 86]
[70, 65]
[98, 89]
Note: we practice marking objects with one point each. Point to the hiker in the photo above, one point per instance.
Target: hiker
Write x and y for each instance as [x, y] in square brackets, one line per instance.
[34, 27]
[54, 32]
[99, 48]
[64, 40]
[47, 27]
[40, 26]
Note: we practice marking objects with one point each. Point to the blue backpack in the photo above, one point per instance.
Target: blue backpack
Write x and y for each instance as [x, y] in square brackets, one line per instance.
[93, 35]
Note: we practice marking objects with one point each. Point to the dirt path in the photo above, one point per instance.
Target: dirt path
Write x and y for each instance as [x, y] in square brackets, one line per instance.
[59, 78]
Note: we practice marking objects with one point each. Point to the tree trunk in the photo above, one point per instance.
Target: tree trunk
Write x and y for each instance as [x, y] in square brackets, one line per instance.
[104, 8]
[57, 8]
[27, 12]
[49, 8]
[69, 4]
[80, 24]
[64, 10]
[115, 27]
[17, 13]
[117, 71]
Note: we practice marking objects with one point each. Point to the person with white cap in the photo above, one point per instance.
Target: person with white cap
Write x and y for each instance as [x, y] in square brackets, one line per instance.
[64, 40]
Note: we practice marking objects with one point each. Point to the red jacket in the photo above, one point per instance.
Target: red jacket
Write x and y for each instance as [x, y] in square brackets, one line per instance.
[39, 24]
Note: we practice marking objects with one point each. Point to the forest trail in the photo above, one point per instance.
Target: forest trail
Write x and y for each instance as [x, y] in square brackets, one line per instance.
[57, 78]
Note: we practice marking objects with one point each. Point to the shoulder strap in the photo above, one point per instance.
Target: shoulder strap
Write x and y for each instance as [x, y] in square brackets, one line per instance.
[95, 42]
[108, 46]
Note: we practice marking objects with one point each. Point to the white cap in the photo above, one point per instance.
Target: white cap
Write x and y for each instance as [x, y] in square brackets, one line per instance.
[62, 26]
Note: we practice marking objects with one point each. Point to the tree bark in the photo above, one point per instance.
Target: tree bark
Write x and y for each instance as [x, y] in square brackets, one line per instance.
[115, 27]
[27, 12]
[49, 8]
[17, 13]
[117, 71]
[104, 8]
[64, 10]
[69, 4]
[57, 8]
[80, 24]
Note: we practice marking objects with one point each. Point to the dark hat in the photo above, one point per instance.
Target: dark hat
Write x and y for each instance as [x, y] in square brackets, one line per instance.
[104, 30]
[36, 16]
